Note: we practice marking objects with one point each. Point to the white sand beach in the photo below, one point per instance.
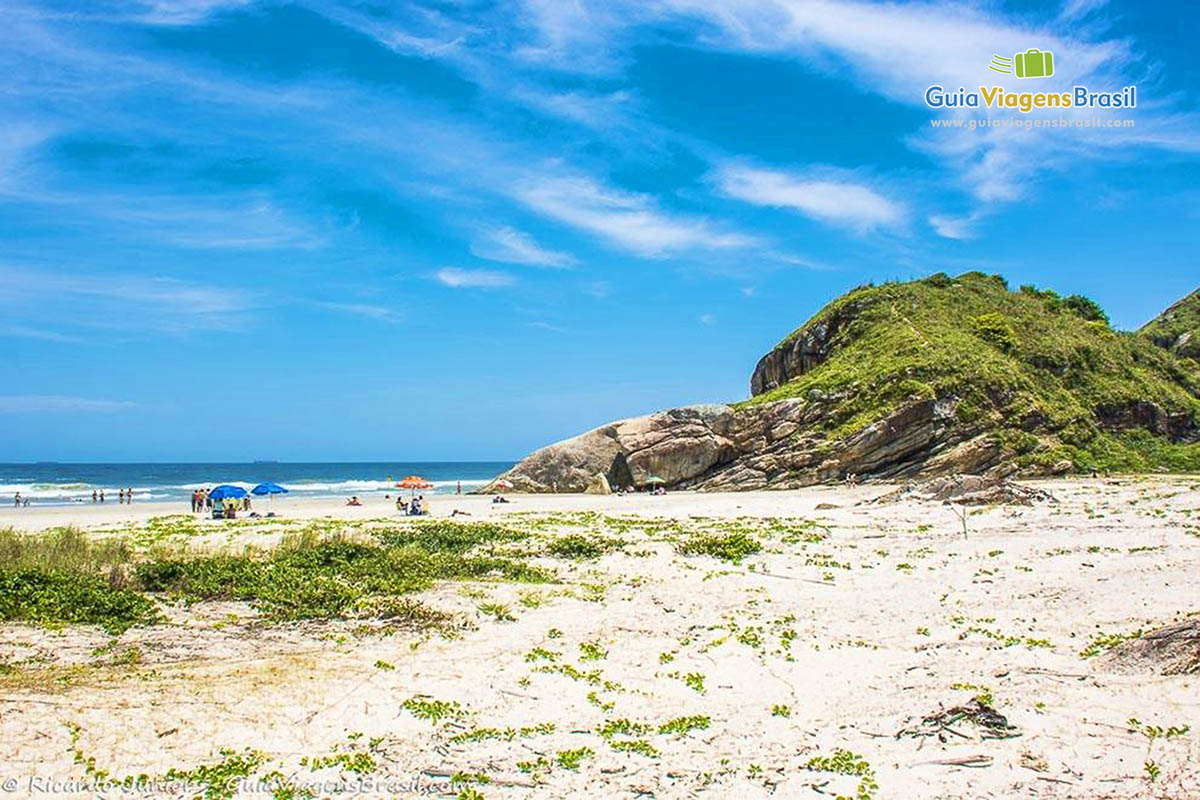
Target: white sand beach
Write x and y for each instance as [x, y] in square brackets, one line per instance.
[852, 625]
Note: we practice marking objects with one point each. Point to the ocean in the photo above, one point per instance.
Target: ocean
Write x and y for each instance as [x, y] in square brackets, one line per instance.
[63, 484]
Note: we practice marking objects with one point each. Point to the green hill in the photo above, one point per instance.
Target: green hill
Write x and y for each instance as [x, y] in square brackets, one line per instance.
[931, 377]
[1178, 328]
[1045, 374]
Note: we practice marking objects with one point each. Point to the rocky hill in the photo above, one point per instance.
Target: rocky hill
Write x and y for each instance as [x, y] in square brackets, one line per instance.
[938, 376]
[1178, 328]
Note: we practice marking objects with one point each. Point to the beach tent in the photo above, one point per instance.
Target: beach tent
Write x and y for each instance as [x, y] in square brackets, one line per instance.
[653, 480]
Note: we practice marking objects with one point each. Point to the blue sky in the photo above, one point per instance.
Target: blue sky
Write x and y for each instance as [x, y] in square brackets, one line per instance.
[461, 230]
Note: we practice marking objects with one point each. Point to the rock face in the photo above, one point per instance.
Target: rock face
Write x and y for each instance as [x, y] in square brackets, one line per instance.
[676, 445]
[799, 353]
[719, 447]
[1178, 328]
[906, 381]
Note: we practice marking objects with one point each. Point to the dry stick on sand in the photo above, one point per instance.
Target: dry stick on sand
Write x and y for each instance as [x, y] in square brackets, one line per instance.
[961, 513]
[975, 762]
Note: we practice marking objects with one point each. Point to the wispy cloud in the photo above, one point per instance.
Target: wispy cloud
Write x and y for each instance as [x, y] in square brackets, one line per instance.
[27, 332]
[832, 198]
[182, 12]
[517, 247]
[381, 313]
[627, 220]
[213, 222]
[458, 278]
[122, 301]
[597, 289]
[951, 227]
[1077, 9]
[57, 403]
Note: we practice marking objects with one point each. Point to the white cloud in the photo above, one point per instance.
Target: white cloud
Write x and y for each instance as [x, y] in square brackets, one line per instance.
[182, 12]
[598, 289]
[708, 319]
[381, 313]
[457, 278]
[630, 221]
[954, 227]
[575, 34]
[235, 223]
[122, 301]
[46, 335]
[52, 403]
[1078, 9]
[516, 247]
[835, 200]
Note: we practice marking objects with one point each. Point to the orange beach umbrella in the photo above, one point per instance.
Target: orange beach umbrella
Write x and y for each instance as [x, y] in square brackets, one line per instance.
[414, 482]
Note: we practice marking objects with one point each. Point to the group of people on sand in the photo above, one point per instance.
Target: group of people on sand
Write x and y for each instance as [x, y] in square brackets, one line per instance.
[657, 491]
[19, 501]
[413, 508]
[202, 501]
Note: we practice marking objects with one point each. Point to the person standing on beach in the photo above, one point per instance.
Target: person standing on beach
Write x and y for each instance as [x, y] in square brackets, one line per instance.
[121, 496]
[129, 495]
[17, 500]
[101, 495]
[93, 495]
[459, 489]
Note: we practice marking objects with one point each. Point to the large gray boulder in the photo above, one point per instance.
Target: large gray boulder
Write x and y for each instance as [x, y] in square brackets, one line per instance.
[719, 447]
[676, 445]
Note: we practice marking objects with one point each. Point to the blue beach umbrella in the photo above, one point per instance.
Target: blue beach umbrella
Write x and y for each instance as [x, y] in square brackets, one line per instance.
[268, 488]
[227, 490]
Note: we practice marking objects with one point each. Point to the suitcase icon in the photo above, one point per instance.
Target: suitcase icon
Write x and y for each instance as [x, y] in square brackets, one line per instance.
[1034, 63]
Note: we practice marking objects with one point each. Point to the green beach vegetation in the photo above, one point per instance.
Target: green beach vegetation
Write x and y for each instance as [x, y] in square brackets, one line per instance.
[69, 576]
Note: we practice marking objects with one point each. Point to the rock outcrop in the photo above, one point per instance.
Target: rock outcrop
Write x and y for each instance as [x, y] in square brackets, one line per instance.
[1178, 328]
[905, 381]
[1173, 650]
[968, 490]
